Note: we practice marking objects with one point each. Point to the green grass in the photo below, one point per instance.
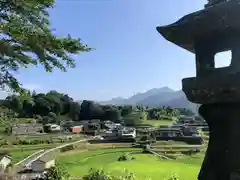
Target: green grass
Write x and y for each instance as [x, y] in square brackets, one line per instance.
[145, 165]
[19, 155]
[28, 147]
[20, 152]
[156, 122]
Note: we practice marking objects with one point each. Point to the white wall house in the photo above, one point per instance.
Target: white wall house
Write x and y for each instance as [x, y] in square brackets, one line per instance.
[128, 132]
[43, 164]
[55, 127]
[5, 160]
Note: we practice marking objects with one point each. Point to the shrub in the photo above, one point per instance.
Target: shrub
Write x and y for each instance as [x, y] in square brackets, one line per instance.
[173, 177]
[96, 175]
[67, 148]
[146, 148]
[101, 175]
[39, 118]
[7, 130]
[57, 173]
[126, 157]
[46, 120]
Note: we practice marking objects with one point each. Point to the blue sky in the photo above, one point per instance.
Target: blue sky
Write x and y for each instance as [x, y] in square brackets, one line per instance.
[130, 55]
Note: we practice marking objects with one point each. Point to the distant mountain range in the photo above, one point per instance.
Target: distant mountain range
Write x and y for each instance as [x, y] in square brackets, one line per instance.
[156, 97]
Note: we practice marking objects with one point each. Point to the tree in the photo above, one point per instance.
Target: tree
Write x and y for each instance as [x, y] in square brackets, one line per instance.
[112, 114]
[42, 106]
[126, 110]
[54, 98]
[57, 173]
[27, 110]
[134, 119]
[53, 118]
[15, 103]
[26, 39]
[66, 104]
[46, 120]
[91, 110]
[74, 111]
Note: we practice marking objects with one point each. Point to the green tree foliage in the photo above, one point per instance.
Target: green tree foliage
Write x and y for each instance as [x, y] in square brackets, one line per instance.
[55, 107]
[49, 107]
[126, 157]
[102, 175]
[165, 112]
[57, 173]
[26, 39]
[134, 119]
[126, 110]
[91, 110]
[74, 110]
[112, 113]
[173, 177]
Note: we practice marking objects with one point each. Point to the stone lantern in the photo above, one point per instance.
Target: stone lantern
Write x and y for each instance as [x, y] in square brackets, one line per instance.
[205, 33]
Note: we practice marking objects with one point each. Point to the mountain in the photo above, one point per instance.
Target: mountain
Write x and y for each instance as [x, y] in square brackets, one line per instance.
[116, 101]
[135, 99]
[156, 97]
[181, 102]
[161, 98]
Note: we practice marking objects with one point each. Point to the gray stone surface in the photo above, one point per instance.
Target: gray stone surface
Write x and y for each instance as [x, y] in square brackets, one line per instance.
[216, 88]
[222, 159]
[214, 3]
[202, 25]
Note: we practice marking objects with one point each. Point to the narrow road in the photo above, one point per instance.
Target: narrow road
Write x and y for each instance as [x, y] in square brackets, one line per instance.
[21, 165]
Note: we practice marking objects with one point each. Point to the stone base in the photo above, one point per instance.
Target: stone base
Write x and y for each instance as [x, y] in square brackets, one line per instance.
[222, 159]
[216, 87]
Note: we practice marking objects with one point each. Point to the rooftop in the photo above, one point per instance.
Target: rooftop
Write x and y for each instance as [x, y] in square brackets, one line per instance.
[5, 154]
[47, 157]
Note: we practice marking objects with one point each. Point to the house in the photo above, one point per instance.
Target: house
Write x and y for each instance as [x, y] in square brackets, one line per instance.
[186, 119]
[97, 121]
[110, 133]
[51, 128]
[128, 133]
[43, 163]
[5, 160]
[109, 125]
[91, 127]
[191, 131]
[76, 129]
[168, 132]
[20, 129]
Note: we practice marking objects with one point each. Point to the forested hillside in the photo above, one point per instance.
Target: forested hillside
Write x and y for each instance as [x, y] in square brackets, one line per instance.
[56, 107]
